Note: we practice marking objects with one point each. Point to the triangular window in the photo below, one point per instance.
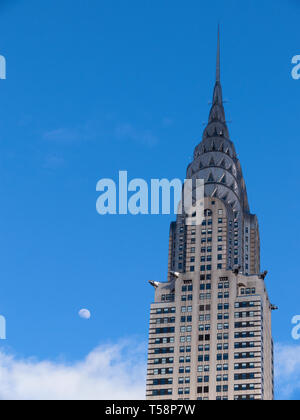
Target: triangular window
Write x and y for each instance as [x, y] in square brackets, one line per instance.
[212, 162]
[210, 178]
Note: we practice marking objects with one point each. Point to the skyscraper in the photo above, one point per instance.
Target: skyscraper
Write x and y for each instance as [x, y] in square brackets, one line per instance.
[210, 324]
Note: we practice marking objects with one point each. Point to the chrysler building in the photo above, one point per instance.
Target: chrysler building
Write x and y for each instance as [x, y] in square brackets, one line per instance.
[210, 335]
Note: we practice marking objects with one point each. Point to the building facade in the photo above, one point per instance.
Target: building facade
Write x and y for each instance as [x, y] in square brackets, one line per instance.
[210, 334]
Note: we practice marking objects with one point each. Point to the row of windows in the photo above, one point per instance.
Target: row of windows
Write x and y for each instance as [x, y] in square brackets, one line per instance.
[222, 306]
[221, 356]
[223, 285]
[204, 277]
[245, 304]
[165, 371]
[221, 388]
[165, 330]
[238, 366]
[186, 309]
[222, 336]
[205, 286]
[248, 324]
[203, 358]
[203, 308]
[184, 298]
[163, 350]
[186, 349]
[202, 368]
[165, 320]
[186, 369]
[224, 295]
[221, 316]
[205, 317]
[165, 310]
[203, 390]
[246, 355]
[186, 318]
[162, 381]
[244, 387]
[187, 288]
[224, 326]
[185, 391]
[202, 347]
[249, 314]
[206, 231]
[208, 249]
[207, 267]
[224, 346]
[168, 298]
[244, 397]
[205, 296]
[163, 361]
[244, 376]
[186, 329]
[204, 337]
[208, 222]
[156, 392]
[164, 340]
[202, 379]
[204, 327]
[221, 378]
[244, 334]
[245, 344]
[184, 380]
[221, 368]
[248, 291]
[208, 258]
[184, 339]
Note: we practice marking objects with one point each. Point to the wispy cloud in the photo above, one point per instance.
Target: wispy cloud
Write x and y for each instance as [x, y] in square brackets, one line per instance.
[102, 129]
[130, 132]
[63, 135]
[287, 371]
[53, 161]
[108, 372]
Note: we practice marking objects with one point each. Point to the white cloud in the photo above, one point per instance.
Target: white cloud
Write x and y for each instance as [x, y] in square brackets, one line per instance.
[112, 372]
[287, 371]
[108, 372]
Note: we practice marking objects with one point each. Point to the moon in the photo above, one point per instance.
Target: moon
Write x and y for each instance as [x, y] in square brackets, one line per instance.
[84, 314]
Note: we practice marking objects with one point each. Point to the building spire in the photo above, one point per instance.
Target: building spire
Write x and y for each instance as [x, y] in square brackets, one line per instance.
[217, 120]
[218, 68]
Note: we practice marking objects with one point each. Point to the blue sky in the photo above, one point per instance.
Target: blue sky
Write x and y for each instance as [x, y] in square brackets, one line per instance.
[94, 87]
